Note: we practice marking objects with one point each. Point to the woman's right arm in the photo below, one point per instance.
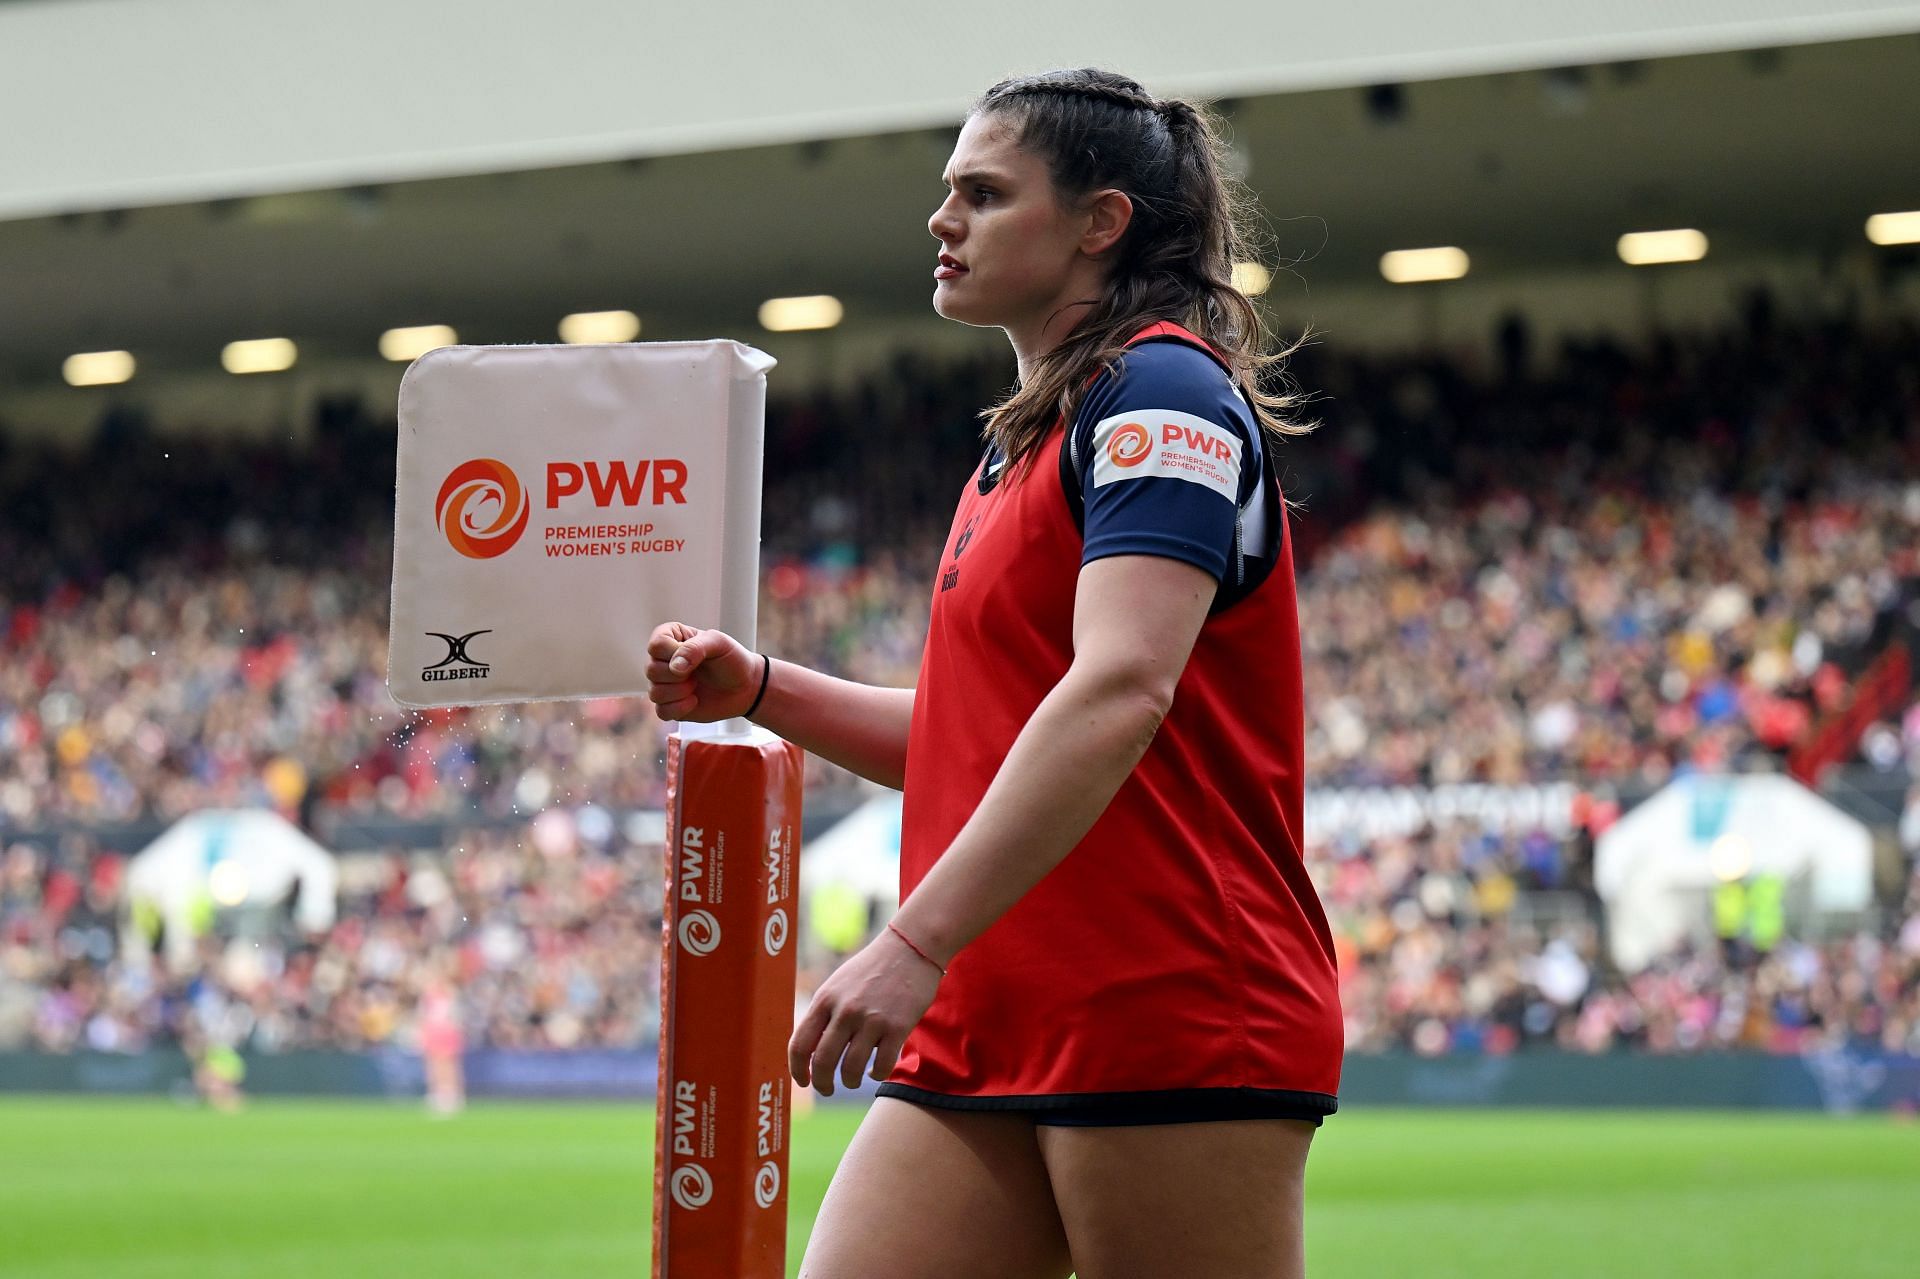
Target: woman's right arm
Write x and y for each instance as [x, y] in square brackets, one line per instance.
[704, 676]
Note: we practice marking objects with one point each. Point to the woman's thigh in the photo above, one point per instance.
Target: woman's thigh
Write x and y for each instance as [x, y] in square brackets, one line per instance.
[1216, 1199]
[938, 1194]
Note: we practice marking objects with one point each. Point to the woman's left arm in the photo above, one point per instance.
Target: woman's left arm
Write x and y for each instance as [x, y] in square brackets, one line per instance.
[1134, 624]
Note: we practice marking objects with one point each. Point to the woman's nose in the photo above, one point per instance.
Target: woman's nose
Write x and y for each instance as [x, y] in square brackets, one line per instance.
[943, 225]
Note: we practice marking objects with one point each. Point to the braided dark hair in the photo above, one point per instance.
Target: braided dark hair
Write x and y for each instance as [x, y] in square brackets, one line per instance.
[1095, 130]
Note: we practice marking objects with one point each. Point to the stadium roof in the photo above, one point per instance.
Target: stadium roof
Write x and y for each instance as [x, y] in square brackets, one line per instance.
[1770, 152]
[139, 104]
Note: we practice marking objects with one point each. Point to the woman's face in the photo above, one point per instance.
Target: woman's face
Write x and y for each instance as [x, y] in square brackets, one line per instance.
[1019, 255]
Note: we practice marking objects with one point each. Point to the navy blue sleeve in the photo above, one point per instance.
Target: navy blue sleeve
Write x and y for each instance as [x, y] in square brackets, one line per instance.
[1168, 453]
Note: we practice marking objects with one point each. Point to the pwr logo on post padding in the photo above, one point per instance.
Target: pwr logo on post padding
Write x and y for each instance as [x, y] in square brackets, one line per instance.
[463, 514]
[699, 932]
[766, 1184]
[691, 1186]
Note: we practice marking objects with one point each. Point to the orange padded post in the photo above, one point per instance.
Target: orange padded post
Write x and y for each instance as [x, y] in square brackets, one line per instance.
[726, 1007]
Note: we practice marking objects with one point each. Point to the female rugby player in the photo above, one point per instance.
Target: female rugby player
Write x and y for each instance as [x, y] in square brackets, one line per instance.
[1106, 1012]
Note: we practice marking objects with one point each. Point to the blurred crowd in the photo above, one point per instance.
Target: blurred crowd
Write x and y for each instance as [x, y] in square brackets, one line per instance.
[209, 627]
[1460, 941]
[551, 938]
[1613, 565]
[1449, 941]
[1677, 559]
[1631, 566]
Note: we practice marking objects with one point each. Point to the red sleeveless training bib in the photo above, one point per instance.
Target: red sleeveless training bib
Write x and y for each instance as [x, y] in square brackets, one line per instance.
[1180, 947]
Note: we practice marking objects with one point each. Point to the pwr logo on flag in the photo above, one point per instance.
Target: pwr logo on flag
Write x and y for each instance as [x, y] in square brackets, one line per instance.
[569, 499]
[618, 482]
[1167, 444]
[465, 498]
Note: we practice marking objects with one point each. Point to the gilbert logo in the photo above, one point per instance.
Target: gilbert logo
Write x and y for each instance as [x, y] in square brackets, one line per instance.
[456, 664]
[1130, 445]
[462, 509]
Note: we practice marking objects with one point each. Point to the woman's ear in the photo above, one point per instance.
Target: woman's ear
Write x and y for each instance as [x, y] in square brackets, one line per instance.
[1110, 213]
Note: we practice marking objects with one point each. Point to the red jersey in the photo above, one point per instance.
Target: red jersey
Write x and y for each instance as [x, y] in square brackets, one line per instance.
[1179, 951]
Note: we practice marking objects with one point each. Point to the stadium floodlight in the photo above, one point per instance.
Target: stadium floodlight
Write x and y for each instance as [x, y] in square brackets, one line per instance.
[402, 345]
[1652, 248]
[1418, 266]
[1894, 228]
[790, 315]
[98, 368]
[259, 355]
[1251, 278]
[586, 327]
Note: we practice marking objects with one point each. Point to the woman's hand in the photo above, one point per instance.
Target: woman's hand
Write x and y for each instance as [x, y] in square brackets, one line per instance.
[699, 676]
[869, 1003]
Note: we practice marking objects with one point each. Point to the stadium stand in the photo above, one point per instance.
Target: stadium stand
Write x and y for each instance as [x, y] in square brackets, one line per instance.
[1609, 567]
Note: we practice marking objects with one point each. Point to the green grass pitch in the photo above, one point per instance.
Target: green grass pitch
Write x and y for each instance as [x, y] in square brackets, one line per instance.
[94, 1189]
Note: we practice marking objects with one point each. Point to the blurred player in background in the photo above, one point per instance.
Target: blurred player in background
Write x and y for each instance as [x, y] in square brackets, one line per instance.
[441, 1041]
[218, 1071]
[1106, 1011]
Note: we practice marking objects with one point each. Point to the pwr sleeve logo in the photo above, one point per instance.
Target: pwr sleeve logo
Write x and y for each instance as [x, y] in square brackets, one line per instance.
[1167, 444]
[1129, 444]
[482, 508]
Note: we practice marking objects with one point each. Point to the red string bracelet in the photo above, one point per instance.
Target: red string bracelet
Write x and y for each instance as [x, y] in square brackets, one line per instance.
[915, 949]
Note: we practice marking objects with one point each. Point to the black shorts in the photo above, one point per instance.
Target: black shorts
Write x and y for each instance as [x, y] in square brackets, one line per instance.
[1122, 1109]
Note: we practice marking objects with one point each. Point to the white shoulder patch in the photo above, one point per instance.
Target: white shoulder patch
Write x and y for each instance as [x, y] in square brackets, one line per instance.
[1169, 445]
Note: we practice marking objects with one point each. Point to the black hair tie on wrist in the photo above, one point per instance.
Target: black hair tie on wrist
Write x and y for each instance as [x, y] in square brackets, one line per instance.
[765, 672]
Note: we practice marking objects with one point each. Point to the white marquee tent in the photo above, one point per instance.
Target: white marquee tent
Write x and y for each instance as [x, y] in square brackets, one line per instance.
[1658, 866]
[231, 858]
